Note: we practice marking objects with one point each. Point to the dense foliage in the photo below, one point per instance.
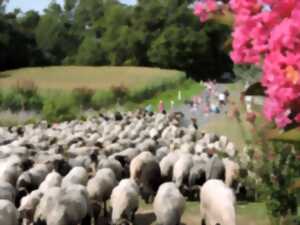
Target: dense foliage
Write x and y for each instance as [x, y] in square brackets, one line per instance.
[99, 32]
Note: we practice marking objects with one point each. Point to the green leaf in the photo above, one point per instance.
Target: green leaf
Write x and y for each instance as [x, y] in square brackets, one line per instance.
[292, 135]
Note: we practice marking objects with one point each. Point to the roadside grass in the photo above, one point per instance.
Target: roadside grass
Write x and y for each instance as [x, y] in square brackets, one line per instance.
[188, 88]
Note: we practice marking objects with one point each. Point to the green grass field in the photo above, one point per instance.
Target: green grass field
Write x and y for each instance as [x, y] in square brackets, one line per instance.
[100, 78]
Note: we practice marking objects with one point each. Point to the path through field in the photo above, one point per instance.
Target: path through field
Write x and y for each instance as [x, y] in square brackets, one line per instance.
[202, 117]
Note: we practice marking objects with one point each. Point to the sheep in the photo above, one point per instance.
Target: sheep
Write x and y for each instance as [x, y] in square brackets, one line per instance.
[197, 178]
[113, 164]
[161, 153]
[150, 180]
[7, 191]
[217, 204]
[231, 171]
[8, 213]
[10, 169]
[53, 179]
[46, 204]
[99, 190]
[215, 168]
[63, 206]
[28, 206]
[124, 202]
[31, 179]
[166, 165]
[137, 163]
[78, 175]
[168, 205]
[181, 170]
[230, 149]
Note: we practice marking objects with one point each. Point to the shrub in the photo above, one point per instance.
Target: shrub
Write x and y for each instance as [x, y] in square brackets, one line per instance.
[83, 96]
[120, 92]
[23, 95]
[60, 107]
[102, 99]
[26, 88]
[13, 101]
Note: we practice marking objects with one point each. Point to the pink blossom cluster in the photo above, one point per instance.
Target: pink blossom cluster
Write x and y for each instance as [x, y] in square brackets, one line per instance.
[267, 33]
[204, 8]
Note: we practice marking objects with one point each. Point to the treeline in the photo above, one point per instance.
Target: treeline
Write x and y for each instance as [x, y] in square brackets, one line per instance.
[160, 33]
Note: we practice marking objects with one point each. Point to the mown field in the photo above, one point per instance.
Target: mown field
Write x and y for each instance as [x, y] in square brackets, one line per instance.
[98, 78]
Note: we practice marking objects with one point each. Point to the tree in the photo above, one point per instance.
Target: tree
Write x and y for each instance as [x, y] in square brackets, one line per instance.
[54, 35]
[90, 52]
[29, 21]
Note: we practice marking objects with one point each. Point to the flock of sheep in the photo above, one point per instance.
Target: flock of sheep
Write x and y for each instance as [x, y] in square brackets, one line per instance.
[72, 172]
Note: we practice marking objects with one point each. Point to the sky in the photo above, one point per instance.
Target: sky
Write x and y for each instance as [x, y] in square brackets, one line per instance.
[39, 5]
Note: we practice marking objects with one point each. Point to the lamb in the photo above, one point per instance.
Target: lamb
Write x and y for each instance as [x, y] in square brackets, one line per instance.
[124, 202]
[78, 175]
[99, 190]
[8, 213]
[168, 205]
[217, 204]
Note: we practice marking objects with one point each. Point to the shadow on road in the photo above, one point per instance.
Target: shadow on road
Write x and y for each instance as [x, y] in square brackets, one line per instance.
[144, 218]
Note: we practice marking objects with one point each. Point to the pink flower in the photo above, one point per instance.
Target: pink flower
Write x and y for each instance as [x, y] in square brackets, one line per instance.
[267, 33]
[282, 120]
[211, 5]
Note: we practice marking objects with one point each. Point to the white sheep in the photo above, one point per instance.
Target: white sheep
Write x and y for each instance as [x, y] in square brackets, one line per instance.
[181, 170]
[124, 201]
[8, 213]
[168, 205]
[138, 162]
[166, 165]
[7, 191]
[53, 179]
[217, 204]
[231, 171]
[100, 188]
[28, 206]
[78, 175]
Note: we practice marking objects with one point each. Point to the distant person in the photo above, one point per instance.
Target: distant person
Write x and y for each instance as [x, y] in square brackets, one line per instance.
[214, 108]
[149, 108]
[161, 107]
[172, 104]
[249, 102]
[222, 98]
[227, 94]
[179, 97]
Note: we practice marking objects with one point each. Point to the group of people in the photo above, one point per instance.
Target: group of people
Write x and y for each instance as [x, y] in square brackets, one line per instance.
[211, 100]
[161, 105]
